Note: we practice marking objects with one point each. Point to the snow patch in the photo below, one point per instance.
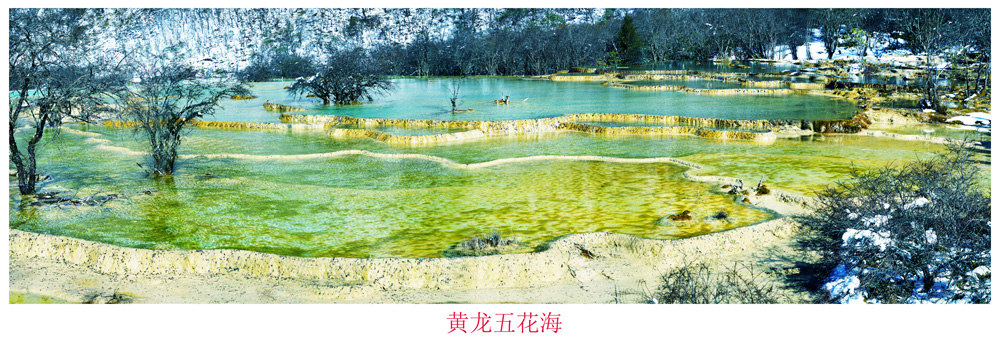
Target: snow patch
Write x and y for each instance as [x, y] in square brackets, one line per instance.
[853, 237]
[919, 202]
[844, 286]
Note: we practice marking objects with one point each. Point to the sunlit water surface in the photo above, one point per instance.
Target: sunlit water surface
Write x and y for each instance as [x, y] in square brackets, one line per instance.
[423, 98]
[361, 206]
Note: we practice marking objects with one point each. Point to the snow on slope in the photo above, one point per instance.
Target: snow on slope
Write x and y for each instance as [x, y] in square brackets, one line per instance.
[227, 38]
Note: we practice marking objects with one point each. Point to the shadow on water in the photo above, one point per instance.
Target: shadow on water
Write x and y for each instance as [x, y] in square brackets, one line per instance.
[26, 215]
[160, 212]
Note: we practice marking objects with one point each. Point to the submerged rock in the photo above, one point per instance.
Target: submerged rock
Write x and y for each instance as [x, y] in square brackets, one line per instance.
[489, 244]
[280, 108]
[667, 220]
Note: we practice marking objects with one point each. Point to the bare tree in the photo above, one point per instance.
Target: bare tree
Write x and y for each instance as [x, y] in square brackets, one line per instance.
[974, 39]
[456, 87]
[347, 77]
[795, 33]
[832, 22]
[51, 72]
[905, 228]
[938, 33]
[165, 97]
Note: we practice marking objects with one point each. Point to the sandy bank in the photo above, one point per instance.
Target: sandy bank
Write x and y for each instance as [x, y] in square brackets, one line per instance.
[75, 270]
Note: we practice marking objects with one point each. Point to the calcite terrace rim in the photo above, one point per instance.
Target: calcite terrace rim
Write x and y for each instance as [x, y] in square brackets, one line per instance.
[104, 145]
[567, 122]
[727, 129]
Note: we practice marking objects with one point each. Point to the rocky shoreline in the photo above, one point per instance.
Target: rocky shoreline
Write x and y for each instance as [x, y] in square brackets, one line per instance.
[78, 270]
[577, 268]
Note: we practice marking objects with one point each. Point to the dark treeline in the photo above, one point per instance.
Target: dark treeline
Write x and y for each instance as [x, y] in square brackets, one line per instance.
[533, 41]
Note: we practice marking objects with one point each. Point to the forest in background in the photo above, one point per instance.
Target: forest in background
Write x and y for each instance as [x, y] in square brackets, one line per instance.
[538, 41]
[275, 43]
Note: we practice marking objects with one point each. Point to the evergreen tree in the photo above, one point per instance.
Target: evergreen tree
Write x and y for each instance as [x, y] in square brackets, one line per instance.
[628, 44]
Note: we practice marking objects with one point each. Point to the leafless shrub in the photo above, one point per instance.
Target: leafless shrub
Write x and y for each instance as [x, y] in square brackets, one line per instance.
[696, 283]
[910, 228]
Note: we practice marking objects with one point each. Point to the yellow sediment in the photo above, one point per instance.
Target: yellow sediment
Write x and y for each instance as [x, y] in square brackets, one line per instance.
[671, 130]
[745, 91]
[885, 87]
[70, 130]
[646, 72]
[516, 127]
[855, 124]
[333, 120]
[670, 120]
[407, 140]
[772, 83]
[648, 88]
[570, 122]
[227, 125]
[280, 108]
[242, 97]
[239, 125]
[119, 124]
[559, 77]
[769, 75]
[720, 74]
[98, 140]
[216, 273]
[444, 161]
[120, 149]
[806, 85]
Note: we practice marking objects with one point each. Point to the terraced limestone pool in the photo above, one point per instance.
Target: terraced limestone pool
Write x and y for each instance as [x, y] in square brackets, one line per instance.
[422, 98]
[305, 193]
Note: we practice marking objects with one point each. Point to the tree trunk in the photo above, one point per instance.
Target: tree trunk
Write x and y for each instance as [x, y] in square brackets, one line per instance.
[830, 42]
[931, 90]
[163, 164]
[27, 176]
[164, 151]
[928, 280]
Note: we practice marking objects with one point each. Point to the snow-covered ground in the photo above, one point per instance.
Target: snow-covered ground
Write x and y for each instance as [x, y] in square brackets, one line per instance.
[844, 285]
[883, 50]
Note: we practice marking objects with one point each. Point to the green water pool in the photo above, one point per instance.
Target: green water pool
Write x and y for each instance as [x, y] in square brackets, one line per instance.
[423, 98]
[291, 193]
[363, 206]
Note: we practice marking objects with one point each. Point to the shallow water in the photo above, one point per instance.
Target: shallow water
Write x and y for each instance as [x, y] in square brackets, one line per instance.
[358, 206]
[709, 66]
[32, 298]
[226, 195]
[938, 130]
[868, 150]
[703, 84]
[423, 98]
[396, 130]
